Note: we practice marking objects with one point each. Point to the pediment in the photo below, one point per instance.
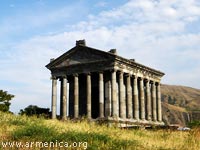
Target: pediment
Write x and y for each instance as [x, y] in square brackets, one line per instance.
[80, 55]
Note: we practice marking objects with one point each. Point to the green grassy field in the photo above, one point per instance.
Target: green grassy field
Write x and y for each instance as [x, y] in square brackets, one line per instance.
[21, 132]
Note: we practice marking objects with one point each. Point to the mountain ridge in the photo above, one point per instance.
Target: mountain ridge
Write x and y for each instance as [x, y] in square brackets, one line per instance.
[181, 104]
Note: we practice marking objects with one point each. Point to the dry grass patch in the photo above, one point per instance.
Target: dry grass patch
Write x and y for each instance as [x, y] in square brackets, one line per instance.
[98, 137]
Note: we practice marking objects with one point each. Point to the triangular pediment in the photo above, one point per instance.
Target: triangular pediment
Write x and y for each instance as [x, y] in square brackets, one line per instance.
[80, 55]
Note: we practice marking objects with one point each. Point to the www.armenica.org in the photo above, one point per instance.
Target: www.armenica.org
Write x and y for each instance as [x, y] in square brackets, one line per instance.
[8, 144]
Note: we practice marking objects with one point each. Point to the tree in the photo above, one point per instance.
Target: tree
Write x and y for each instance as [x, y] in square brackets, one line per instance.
[5, 99]
[170, 100]
[33, 110]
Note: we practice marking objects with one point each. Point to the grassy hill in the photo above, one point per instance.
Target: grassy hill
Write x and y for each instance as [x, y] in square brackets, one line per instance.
[181, 104]
[21, 132]
[182, 96]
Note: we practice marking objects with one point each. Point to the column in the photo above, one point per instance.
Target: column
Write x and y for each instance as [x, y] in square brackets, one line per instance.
[76, 96]
[142, 104]
[64, 98]
[61, 97]
[54, 97]
[122, 96]
[153, 95]
[129, 96]
[148, 101]
[89, 96]
[114, 96]
[101, 95]
[135, 96]
[159, 102]
[108, 98]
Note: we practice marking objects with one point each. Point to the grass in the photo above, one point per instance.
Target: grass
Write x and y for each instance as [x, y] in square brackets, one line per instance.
[84, 135]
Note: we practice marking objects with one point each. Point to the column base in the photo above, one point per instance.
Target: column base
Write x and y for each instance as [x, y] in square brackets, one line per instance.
[128, 122]
[123, 123]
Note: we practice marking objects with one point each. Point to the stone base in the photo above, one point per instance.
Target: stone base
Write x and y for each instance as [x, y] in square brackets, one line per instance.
[125, 123]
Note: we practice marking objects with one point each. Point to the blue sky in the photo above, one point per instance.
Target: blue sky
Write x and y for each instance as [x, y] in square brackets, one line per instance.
[163, 34]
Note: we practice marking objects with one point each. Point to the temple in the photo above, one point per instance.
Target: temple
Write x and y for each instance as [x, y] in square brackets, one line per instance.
[101, 85]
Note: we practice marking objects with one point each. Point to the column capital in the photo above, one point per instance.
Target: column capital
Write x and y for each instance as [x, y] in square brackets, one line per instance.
[64, 76]
[120, 71]
[147, 82]
[113, 70]
[101, 76]
[157, 83]
[135, 76]
[100, 72]
[53, 77]
[141, 78]
[127, 74]
[87, 73]
[75, 74]
[152, 82]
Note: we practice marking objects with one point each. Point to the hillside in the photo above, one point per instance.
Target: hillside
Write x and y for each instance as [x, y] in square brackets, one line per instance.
[180, 104]
[182, 96]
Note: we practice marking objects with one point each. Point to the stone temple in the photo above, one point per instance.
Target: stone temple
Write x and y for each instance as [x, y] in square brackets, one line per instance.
[101, 85]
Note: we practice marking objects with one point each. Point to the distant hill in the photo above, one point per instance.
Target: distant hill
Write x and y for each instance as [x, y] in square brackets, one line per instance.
[186, 97]
[180, 104]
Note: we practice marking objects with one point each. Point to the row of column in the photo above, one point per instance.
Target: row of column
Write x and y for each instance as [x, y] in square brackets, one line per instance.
[135, 101]
[63, 101]
[89, 96]
[142, 103]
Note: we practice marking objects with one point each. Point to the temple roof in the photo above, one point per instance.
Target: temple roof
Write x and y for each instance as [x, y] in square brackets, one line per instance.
[82, 55]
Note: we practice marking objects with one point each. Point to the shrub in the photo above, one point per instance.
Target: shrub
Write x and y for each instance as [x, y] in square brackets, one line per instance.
[195, 123]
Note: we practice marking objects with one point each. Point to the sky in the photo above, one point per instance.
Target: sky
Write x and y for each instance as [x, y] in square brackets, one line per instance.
[162, 34]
